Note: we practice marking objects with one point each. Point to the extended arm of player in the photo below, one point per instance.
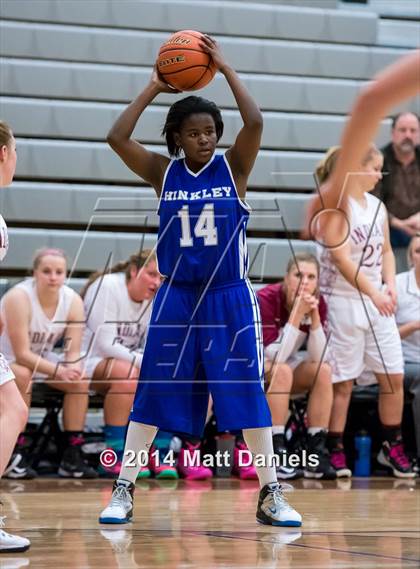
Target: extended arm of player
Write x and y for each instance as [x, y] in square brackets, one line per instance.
[244, 151]
[242, 154]
[396, 83]
[149, 165]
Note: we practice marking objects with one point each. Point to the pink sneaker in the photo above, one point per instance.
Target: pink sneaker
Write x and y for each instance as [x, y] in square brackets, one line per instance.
[189, 463]
[338, 462]
[243, 472]
[393, 456]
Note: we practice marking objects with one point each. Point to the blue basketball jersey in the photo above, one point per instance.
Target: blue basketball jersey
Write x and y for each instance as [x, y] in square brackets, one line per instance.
[202, 233]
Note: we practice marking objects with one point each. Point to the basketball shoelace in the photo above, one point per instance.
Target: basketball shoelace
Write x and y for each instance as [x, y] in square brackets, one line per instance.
[120, 494]
[279, 498]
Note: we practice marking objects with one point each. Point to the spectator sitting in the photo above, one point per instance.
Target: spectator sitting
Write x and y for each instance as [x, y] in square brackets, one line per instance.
[408, 320]
[37, 313]
[400, 187]
[118, 308]
[291, 313]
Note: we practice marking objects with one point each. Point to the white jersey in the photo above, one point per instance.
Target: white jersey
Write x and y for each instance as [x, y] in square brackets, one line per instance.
[408, 309]
[43, 332]
[366, 239]
[6, 373]
[4, 239]
[116, 325]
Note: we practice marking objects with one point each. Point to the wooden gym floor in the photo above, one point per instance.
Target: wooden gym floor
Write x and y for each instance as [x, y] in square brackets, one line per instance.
[349, 524]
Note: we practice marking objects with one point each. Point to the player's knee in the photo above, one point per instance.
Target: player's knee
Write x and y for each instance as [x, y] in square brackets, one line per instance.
[281, 374]
[343, 389]
[122, 372]
[123, 387]
[24, 379]
[324, 376]
[80, 387]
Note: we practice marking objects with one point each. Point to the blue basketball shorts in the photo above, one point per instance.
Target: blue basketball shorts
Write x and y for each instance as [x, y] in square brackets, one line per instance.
[202, 342]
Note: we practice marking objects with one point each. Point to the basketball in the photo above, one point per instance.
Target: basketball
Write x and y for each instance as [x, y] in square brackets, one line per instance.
[183, 64]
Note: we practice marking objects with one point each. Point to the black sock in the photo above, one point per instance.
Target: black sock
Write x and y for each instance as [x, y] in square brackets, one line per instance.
[335, 441]
[392, 433]
[73, 438]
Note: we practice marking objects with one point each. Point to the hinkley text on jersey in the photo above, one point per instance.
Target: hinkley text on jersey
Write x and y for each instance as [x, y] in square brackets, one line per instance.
[220, 192]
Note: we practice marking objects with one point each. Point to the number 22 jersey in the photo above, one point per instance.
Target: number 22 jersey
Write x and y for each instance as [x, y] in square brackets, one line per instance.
[366, 240]
[202, 225]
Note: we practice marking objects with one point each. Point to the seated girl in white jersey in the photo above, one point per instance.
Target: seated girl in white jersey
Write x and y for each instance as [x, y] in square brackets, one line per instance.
[204, 334]
[292, 313]
[408, 320]
[37, 313]
[358, 280]
[13, 410]
[118, 306]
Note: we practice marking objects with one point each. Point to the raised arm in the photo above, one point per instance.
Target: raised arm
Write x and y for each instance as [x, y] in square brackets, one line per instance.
[148, 165]
[242, 154]
[394, 84]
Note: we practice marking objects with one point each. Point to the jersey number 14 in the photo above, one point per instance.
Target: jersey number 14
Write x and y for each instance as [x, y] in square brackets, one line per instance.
[204, 227]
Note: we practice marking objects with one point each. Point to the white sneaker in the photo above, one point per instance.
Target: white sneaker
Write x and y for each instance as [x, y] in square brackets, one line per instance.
[273, 508]
[10, 543]
[120, 508]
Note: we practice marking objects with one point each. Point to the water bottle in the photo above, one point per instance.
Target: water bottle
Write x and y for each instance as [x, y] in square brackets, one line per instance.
[363, 444]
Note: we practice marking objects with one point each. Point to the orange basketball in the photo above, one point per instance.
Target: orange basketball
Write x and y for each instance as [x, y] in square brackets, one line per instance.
[183, 64]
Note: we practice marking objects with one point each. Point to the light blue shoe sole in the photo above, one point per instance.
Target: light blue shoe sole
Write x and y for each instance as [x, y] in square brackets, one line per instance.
[114, 521]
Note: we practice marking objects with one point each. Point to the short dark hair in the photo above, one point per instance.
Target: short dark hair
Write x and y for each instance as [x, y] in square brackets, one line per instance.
[399, 115]
[181, 110]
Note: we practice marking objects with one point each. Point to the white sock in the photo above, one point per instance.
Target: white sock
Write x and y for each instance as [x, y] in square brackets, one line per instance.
[314, 430]
[278, 429]
[260, 441]
[139, 438]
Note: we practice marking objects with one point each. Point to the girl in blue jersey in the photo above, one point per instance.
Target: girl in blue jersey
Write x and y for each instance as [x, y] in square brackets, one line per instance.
[204, 335]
